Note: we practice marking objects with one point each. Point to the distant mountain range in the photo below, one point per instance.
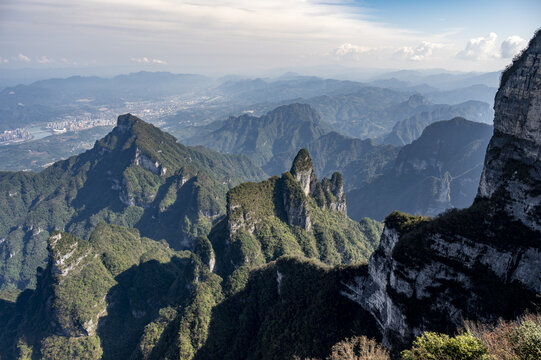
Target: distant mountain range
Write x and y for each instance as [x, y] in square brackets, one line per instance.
[406, 131]
[284, 129]
[359, 161]
[448, 154]
[438, 171]
[373, 112]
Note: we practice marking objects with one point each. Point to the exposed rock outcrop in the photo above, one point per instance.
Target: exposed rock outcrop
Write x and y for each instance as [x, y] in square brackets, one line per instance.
[146, 163]
[480, 263]
[303, 172]
[334, 193]
[512, 165]
[295, 189]
[291, 214]
[69, 258]
[295, 201]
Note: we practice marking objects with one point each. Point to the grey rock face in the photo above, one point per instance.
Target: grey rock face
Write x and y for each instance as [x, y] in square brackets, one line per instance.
[303, 172]
[512, 164]
[297, 214]
[335, 197]
[444, 284]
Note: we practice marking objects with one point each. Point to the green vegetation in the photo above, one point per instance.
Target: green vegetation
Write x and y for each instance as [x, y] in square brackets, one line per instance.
[177, 200]
[289, 307]
[518, 339]
[120, 295]
[117, 279]
[526, 340]
[57, 347]
[432, 346]
[302, 162]
[402, 222]
[274, 218]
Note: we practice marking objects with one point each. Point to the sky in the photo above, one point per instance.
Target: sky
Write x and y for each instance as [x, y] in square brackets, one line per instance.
[249, 36]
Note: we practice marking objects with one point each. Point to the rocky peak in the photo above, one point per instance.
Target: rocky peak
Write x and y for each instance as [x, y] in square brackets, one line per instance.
[333, 193]
[125, 122]
[512, 169]
[303, 171]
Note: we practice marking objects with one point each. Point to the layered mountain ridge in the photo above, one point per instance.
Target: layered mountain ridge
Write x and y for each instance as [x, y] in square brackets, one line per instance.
[282, 130]
[436, 172]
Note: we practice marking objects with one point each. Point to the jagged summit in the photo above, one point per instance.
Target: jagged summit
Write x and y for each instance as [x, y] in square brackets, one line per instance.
[137, 176]
[291, 214]
[296, 110]
[416, 100]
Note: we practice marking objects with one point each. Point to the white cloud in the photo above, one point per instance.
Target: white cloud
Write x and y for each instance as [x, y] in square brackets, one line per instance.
[145, 60]
[481, 48]
[486, 48]
[512, 46]
[421, 52]
[242, 34]
[348, 51]
[140, 60]
[347, 48]
[21, 57]
[3, 60]
[45, 60]
[233, 35]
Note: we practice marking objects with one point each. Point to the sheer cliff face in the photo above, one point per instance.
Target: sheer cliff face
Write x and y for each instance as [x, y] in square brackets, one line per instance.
[512, 166]
[480, 263]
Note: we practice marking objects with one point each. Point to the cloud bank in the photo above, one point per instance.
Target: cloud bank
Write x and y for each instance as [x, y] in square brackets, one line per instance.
[486, 47]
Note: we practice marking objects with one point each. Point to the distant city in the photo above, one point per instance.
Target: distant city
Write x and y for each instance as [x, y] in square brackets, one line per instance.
[150, 110]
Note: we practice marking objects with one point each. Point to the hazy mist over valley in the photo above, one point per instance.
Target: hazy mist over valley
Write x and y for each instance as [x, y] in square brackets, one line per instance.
[340, 180]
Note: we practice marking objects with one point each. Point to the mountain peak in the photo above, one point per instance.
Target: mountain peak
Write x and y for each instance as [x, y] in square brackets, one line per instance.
[301, 110]
[303, 171]
[125, 122]
[302, 162]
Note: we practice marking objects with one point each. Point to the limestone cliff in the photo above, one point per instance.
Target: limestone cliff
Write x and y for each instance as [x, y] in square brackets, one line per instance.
[480, 263]
[512, 167]
[303, 172]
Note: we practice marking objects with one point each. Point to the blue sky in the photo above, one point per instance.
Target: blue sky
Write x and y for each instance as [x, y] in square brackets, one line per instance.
[235, 36]
[473, 16]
